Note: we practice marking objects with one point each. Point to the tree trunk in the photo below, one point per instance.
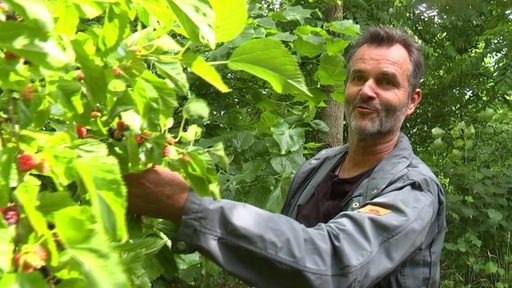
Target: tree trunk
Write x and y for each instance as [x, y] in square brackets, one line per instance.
[333, 114]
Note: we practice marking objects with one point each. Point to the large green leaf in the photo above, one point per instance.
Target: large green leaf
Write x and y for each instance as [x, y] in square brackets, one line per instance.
[27, 41]
[203, 69]
[230, 18]
[268, 59]
[196, 18]
[331, 70]
[102, 179]
[88, 246]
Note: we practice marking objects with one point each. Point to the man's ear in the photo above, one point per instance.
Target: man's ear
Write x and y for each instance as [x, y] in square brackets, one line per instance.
[414, 101]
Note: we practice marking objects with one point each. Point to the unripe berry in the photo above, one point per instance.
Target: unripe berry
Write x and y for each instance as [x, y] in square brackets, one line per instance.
[43, 166]
[80, 75]
[95, 114]
[185, 158]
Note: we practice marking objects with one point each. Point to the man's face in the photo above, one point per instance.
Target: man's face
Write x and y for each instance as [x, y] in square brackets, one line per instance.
[376, 96]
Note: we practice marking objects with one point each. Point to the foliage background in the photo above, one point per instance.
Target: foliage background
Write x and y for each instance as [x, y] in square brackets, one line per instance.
[189, 74]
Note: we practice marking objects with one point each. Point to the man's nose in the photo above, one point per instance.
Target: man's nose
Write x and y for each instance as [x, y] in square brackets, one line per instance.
[368, 89]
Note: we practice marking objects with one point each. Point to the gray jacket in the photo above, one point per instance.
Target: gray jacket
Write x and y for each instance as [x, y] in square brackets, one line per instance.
[396, 243]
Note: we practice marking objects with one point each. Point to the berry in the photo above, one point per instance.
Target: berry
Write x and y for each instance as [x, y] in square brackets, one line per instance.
[10, 214]
[28, 92]
[121, 125]
[26, 162]
[31, 259]
[185, 158]
[81, 131]
[171, 141]
[167, 150]
[116, 70]
[95, 114]
[139, 139]
[80, 75]
[142, 136]
[43, 166]
[9, 56]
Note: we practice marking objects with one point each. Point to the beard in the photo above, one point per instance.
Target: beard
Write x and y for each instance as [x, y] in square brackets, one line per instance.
[388, 118]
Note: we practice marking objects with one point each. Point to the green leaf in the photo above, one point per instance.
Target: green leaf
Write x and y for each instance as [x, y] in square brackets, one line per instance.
[6, 248]
[243, 140]
[173, 71]
[297, 13]
[158, 8]
[102, 179]
[94, 76]
[115, 29]
[268, 59]
[331, 70]
[35, 12]
[230, 18]
[88, 245]
[218, 152]
[200, 171]
[27, 41]
[204, 70]
[27, 193]
[495, 215]
[347, 27]
[438, 132]
[309, 45]
[196, 18]
[281, 165]
[288, 139]
[196, 108]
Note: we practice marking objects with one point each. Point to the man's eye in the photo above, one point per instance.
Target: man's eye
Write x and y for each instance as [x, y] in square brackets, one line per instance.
[387, 82]
[357, 78]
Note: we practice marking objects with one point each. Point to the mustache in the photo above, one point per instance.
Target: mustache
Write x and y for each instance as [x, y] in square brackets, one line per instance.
[374, 105]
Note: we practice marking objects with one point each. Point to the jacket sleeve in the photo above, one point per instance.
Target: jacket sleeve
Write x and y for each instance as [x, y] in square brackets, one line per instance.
[355, 249]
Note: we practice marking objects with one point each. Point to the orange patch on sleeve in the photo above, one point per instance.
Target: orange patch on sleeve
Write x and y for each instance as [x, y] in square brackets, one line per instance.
[374, 210]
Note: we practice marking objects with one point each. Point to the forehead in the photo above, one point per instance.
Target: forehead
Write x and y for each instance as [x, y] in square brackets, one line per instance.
[381, 58]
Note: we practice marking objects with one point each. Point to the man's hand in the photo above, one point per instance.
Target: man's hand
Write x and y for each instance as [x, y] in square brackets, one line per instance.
[158, 193]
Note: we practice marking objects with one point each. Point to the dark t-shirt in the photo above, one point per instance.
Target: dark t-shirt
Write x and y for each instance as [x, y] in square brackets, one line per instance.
[329, 196]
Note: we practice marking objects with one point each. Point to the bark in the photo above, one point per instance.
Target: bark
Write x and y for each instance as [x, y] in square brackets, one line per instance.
[333, 114]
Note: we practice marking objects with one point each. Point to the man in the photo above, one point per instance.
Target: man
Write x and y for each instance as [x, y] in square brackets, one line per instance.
[368, 214]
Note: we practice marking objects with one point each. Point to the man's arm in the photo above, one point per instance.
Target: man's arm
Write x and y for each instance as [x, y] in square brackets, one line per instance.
[272, 250]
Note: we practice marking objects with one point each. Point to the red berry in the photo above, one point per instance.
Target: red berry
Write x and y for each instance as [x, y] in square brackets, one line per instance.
[167, 150]
[26, 162]
[171, 141]
[116, 70]
[95, 114]
[185, 158]
[121, 125]
[81, 131]
[11, 214]
[139, 139]
[28, 92]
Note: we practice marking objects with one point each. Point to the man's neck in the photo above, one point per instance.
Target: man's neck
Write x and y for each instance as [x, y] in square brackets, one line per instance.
[366, 152]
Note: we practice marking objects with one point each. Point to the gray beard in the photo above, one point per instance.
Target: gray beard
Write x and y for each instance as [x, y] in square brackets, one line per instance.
[389, 120]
